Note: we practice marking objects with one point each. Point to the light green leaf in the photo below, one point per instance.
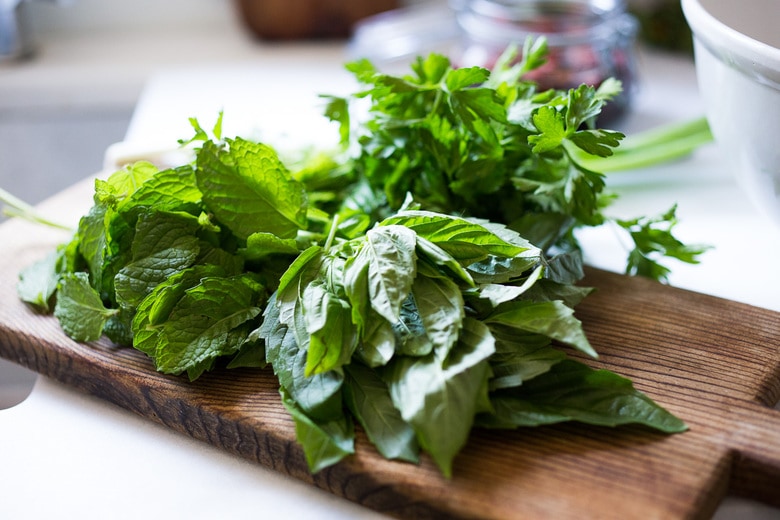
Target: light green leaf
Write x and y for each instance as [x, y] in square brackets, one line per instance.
[550, 124]
[79, 309]
[250, 190]
[259, 245]
[123, 183]
[390, 254]
[498, 293]
[448, 232]
[332, 336]
[38, 282]
[204, 324]
[164, 243]
[441, 309]
[319, 395]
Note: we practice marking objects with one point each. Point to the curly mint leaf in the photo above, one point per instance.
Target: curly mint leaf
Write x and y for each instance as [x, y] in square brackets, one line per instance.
[164, 243]
[38, 282]
[174, 189]
[205, 323]
[123, 183]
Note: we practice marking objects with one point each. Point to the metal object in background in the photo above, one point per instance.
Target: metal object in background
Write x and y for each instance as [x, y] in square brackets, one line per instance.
[15, 34]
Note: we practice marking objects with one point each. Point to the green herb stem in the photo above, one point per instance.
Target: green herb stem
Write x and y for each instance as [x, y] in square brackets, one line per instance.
[332, 233]
[651, 147]
[18, 208]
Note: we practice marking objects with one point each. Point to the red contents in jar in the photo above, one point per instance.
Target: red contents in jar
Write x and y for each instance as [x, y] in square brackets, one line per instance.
[585, 46]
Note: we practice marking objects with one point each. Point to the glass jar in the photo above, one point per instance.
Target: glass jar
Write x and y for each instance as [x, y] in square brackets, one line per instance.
[588, 40]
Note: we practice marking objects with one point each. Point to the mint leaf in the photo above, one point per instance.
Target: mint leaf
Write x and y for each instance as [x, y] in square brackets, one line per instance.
[250, 190]
[164, 243]
[38, 282]
[204, 323]
[79, 309]
[123, 183]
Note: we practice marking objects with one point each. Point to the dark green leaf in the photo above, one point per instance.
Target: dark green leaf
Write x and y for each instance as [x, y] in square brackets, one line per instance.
[324, 442]
[573, 391]
[368, 398]
[551, 318]
[440, 398]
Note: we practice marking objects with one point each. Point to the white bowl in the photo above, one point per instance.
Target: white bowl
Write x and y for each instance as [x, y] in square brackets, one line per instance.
[737, 52]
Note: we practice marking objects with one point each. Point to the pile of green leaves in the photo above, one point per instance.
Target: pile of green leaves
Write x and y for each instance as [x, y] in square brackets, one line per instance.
[419, 283]
[490, 145]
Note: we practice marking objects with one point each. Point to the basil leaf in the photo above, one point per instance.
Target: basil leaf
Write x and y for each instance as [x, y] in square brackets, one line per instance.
[573, 391]
[440, 397]
[390, 254]
[551, 318]
[324, 442]
[318, 395]
[368, 398]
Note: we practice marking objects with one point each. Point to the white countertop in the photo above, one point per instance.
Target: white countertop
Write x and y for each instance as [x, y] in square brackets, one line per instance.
[68, 455]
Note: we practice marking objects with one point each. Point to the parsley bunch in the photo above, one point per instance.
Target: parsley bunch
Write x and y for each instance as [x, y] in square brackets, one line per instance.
[490, 145]
[418, 283]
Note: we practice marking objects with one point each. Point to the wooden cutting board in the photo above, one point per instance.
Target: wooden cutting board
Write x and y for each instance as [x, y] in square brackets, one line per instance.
[713, 362]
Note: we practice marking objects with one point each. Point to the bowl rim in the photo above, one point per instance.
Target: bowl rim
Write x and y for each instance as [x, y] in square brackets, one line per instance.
[752, 57]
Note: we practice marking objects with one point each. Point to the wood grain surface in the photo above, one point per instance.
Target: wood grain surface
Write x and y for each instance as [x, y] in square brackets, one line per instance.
[713, 362]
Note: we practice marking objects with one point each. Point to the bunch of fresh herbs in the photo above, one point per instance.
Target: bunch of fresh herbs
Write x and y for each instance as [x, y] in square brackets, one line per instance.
[418, 282]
